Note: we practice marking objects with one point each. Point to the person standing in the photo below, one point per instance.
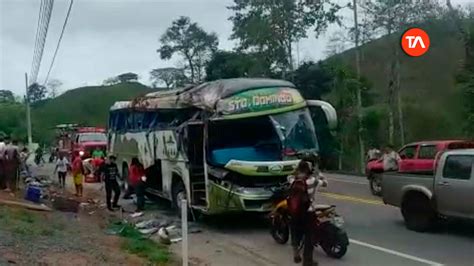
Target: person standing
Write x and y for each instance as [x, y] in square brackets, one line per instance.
[24, 155]
[109, 171]
[137, 179]
[390, 159]
[78, 174]
[12, 162]
[62, 165]
[302, 205]
[2, 162]
[373, 154]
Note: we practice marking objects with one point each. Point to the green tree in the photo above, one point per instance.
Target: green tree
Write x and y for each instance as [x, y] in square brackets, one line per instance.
[170, 76]
[270, 28]
[190, 41]
[127, 77]
[387, 17]
[226, 64]
[6, 96]
[36, 92]
[313, 79]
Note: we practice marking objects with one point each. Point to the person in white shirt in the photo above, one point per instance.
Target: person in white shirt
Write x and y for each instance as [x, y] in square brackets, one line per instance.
[390, 159]
[373, 154]
[62, 166]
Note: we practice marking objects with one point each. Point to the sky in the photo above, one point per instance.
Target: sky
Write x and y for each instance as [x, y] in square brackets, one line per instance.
[105, 38]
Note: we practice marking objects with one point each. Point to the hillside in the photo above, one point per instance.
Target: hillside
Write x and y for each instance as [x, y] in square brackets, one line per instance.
[431, 101]
[87, 105]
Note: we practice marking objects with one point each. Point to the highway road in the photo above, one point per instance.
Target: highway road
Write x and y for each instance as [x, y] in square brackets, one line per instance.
[377, 235]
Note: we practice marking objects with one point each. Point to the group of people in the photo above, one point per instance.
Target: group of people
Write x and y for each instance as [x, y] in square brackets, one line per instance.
[12, 160]
[108, 171]
[389, 157]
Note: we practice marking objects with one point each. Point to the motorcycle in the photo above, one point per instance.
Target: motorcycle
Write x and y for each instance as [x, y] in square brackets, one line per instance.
[329, 233]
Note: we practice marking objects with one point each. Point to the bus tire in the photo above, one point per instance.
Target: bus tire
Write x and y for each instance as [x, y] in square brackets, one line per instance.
[178, 194]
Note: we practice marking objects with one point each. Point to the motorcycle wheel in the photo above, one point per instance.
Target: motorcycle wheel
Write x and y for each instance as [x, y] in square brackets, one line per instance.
[280, 231]
[336, 246]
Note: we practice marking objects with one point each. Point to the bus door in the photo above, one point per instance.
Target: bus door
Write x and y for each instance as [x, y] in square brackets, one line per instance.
[194, 146]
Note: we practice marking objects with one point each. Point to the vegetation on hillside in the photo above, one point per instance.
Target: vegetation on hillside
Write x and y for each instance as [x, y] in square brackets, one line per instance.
[86, 105]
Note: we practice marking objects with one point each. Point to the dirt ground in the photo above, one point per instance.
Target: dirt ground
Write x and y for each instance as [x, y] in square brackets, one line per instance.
[30, 237]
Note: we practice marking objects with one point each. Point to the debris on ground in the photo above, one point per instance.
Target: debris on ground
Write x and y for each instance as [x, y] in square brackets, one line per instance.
[65, 204]
[136, 214]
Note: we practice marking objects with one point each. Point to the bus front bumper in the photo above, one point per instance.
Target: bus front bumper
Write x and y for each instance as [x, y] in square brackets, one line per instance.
[234, 198]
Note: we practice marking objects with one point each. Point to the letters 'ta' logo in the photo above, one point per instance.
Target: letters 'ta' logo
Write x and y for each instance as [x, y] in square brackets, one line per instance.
[415, 42]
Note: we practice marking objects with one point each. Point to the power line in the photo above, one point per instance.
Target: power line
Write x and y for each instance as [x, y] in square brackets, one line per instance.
[38, 29]
[42, 31]
[59, 41]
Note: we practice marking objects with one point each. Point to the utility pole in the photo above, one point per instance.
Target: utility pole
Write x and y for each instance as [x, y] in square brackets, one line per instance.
[28, 113]
[359, 96]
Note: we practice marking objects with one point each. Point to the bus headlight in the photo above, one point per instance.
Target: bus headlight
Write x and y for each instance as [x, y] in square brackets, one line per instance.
[81, 153]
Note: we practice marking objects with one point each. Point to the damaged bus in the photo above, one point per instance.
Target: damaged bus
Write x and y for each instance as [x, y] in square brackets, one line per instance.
[221, 145]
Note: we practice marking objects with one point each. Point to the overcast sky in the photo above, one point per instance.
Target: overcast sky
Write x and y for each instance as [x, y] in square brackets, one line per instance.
[108, 37]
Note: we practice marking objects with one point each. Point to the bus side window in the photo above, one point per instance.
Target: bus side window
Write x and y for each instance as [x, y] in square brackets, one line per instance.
[121, 121]
[138, 118]
[129, 121]
[150, 119]
[165, 117]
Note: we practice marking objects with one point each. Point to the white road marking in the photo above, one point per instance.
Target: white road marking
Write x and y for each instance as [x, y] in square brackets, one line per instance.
[396, 253]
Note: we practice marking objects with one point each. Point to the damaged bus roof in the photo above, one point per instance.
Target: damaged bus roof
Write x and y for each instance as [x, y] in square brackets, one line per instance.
[222, 97]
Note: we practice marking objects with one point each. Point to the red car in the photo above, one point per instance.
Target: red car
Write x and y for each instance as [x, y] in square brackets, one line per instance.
[418, 157]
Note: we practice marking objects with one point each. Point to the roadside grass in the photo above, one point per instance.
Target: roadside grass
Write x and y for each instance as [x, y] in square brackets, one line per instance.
[27, 223]
[137, 244]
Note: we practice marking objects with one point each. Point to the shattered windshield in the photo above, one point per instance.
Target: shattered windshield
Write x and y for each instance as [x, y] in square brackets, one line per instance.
[296, 130]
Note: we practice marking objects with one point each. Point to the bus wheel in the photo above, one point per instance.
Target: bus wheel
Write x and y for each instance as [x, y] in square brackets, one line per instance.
[178, 194]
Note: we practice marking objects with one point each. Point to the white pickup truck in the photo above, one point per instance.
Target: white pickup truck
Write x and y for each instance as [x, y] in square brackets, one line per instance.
[423, 199]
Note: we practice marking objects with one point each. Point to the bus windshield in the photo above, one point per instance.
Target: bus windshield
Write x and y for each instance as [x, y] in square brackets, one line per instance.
[92, 137]
[296, 130]
[262, 138]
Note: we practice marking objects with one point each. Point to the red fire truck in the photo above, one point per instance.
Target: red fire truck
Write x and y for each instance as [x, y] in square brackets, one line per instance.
[73, 140]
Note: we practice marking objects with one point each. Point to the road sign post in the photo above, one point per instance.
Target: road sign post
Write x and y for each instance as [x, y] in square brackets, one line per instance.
[184, 229]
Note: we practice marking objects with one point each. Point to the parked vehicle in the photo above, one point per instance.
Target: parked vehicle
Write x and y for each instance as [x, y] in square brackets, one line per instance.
[73, 139]
[220, 144]
[423, 199]
[418, 157]
[329, 233]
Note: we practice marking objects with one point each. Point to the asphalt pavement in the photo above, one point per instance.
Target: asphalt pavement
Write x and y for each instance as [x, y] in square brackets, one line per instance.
[376, 231]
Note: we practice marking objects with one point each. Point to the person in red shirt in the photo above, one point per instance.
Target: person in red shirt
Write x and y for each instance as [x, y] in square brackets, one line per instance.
[136, 183]
[78, 174]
